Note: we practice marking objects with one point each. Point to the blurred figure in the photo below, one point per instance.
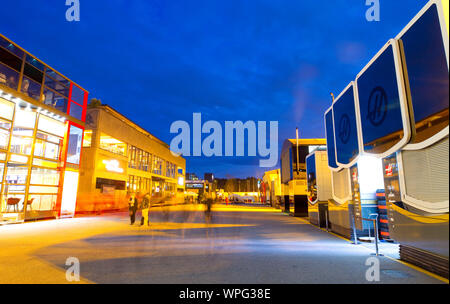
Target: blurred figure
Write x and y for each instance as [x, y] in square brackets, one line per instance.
[145, 210]
[132, 208]
[208, 210]
[11, 82]
[26, 87]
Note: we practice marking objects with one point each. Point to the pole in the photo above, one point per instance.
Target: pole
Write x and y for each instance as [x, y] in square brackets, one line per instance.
[354, 229]
[296, 135]
[376, 235]
[375, 224]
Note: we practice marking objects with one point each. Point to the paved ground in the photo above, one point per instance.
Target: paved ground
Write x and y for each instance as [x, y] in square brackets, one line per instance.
[240, 245]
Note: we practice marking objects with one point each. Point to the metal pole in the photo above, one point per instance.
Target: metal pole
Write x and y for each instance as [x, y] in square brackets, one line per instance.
[354, 230]
[376, 235]
[296, 135]
[326, 219]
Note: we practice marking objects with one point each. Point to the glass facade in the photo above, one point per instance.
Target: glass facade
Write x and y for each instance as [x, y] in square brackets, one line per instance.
[32, 78]
[39, 147]
[30, 145]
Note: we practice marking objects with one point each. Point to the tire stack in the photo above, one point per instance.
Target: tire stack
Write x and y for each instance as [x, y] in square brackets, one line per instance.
[383, 221]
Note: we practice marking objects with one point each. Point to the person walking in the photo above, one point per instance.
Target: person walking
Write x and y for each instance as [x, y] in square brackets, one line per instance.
[145, 210]
[132, 208]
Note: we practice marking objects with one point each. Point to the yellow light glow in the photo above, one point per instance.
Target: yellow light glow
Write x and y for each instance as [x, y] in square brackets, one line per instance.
[69, 194]
[18, 158]
[6, 109]
[112, 166]
[51, 126]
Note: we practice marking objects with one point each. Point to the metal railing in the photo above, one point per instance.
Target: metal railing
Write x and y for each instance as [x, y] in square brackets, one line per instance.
[375, 227]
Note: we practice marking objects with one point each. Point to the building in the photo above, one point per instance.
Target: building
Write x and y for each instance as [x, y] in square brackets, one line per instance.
[209, 177]
[191, 176]
[121, 158]
[42, 114]
[196, 188]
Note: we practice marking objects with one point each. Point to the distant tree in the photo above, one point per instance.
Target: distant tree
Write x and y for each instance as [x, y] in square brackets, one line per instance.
[95, 103]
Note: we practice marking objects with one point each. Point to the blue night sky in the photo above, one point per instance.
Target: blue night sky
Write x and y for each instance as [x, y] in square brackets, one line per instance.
[160, 61]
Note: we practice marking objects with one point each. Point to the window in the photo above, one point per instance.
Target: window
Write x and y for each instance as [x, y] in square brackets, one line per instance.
[87, 139]
[157, 165]
[4, 138]
[11, 47]
[31, 88]
[8, 77]
[16, 174]
[10, 59]
[74, 145]
[25, 119]
[145, 161]
[77, 102]
[33, 69]
[139, 159]
[51, 126]
[76, 111]
[56, 86]
[59, 79]
[77, 95]
[132, 157]
[44, 202]
[46, 149]
[112, 145]
[21, 144]
[6, 109]
[55, 100]
[41, 176]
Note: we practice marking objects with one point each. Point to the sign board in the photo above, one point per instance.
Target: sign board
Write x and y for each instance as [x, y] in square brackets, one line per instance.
[424, 48]
[329, 135]
[345, 128]
[311, 178]
[382, 109]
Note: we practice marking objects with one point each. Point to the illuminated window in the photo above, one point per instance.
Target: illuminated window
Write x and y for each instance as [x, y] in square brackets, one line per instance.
[6, 109]
[157, 165]
[25, 119]
[41, 176]
[87, 139]
[74, 146]
[51, 126]
[44, 202]
[16, 174]
[46, 150]
[4, 139]
[112, 145]
[21, 145]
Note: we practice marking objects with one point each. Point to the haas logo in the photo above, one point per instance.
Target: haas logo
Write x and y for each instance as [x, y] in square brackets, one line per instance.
[344, 128]
[377, 106]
